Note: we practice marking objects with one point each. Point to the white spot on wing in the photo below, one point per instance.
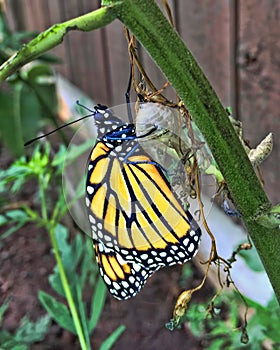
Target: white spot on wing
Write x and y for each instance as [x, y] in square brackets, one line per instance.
[181, 254]
[191, 248]
[107, 280]
[125, 284]
[90, 189]
[116, 285]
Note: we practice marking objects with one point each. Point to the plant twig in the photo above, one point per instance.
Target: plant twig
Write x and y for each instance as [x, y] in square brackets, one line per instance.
[53, 37]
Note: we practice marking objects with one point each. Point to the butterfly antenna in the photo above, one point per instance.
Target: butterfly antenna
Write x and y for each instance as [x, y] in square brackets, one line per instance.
[62, 126]
[85, 107]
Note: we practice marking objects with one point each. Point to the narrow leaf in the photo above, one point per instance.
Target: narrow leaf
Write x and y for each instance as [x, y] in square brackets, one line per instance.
[97, 304]
[110, 341]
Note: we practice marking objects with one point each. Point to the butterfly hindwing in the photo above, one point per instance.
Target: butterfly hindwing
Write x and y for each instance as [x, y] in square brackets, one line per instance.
[123, 279]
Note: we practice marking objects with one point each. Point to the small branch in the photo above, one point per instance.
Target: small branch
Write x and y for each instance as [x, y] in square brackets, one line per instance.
[53, 37]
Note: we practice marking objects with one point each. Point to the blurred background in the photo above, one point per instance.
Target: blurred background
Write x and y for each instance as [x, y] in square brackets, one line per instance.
[237, 46]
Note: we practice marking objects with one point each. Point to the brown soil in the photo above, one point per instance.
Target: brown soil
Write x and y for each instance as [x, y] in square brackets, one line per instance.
[26, 262]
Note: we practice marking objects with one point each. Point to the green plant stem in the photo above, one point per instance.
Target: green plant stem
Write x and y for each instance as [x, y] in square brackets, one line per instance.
[67, 290]
[50, 226]
[53, 37]
[42, 194]
[164, 45]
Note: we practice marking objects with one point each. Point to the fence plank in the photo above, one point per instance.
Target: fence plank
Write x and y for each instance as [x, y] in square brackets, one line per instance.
[151, 68]
[205, 27]
[259, 69]
[118, 61]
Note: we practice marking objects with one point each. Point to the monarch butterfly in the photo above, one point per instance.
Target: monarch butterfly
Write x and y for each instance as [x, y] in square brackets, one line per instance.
[138, 225]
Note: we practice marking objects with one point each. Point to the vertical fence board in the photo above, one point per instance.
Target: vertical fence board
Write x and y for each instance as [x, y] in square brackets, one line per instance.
[56, 16]
[118, 61]
[95, 82]
[259, 70]
[154, 73]
[204, 26]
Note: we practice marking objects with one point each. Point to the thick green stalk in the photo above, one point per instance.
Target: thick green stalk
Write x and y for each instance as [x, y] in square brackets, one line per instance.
[53, 37]
[150, 27]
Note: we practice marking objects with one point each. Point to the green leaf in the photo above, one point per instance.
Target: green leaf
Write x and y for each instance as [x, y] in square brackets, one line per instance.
[7, 342]
[252, 259]
[75, 151]
[10, 128]
[265, 323]
[27, 111]
[3, 220]
[196, 315]
[110, 341]
[27, 333]
[70, 253]
[58, 311]
[42, 80]
[18, 217]
[217, 344]
[77, 249]
[3, 309]
[55, 282]
[31, 332]
[97, 304]
[5, 338]
[88, 264]
[11, 230]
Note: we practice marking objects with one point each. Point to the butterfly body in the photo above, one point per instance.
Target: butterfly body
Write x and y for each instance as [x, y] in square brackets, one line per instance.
[138, 224]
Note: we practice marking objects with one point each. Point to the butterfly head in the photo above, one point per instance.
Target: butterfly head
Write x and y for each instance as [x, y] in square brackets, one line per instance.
[105, 120]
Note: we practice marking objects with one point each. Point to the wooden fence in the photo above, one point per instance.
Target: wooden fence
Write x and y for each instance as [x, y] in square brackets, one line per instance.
[236, 43]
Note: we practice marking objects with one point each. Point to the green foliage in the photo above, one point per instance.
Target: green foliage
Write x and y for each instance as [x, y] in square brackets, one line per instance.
[78, 256]
[27, 333]
[75, 272]
[58, 311]
[265, 322]
[19, 219]
[223, 325]
[77, 259]
[30, 95]
[252, 259]
[186, 275]
[110, 341]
